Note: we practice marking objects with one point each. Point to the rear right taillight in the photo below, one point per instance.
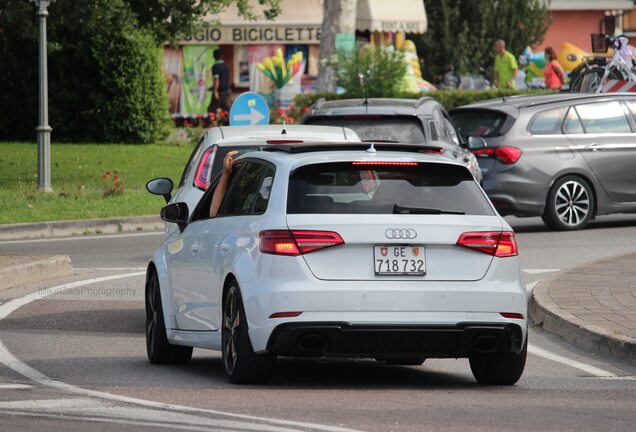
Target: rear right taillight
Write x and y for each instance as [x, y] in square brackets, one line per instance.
[506, 155]
[202, 176]
[499, 244]
[296, 242]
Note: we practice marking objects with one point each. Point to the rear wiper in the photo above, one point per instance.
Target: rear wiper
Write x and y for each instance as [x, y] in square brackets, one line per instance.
[398, 209]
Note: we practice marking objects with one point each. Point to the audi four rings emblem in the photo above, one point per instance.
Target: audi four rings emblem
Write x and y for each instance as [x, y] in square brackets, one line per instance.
[400, 233]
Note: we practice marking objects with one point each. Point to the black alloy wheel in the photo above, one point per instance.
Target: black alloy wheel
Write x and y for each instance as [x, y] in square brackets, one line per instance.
[241, 364]
[159, 350]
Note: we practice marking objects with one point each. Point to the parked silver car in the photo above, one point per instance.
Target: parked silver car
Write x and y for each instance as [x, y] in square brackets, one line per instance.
[565, 157]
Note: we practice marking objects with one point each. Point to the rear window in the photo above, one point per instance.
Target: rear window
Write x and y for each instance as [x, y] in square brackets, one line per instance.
[381, 128]
[359, 188]
[483, 123]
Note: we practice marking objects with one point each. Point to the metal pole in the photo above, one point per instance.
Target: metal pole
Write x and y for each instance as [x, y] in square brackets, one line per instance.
[43, 130]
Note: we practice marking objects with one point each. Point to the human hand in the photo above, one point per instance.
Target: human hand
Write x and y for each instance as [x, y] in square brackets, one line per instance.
[227, 162]
[216, 95]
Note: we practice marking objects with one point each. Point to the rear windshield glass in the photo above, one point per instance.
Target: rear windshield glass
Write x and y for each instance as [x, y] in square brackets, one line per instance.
[484, 123]
[354, 188]
[383, 128]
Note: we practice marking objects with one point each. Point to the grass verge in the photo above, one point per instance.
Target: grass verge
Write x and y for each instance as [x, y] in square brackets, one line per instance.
[83, 180]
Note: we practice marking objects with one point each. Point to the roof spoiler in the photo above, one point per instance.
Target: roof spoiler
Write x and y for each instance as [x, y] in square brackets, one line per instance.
[307, 147]
[421, 101]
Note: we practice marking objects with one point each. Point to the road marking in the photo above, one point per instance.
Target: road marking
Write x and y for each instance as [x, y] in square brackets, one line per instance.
[538, 271]
[592, 370]
[90, 237]
[7, 358]
[15, 386]
[98, 410]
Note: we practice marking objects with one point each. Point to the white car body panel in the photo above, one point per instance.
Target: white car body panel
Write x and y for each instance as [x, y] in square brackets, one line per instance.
[191, 296]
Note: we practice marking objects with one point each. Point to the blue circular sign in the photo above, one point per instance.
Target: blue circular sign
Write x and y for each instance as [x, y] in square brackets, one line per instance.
[249, 109]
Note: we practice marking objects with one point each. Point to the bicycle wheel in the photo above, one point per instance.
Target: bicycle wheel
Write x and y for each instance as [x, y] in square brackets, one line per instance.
[590, 80]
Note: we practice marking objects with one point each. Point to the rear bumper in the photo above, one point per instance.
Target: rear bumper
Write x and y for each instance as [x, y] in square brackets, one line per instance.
[336, 339]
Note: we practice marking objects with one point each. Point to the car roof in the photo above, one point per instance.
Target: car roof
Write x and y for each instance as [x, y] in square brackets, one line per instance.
[513, 104]
[290, 160]
[377, 106]
[250, 135]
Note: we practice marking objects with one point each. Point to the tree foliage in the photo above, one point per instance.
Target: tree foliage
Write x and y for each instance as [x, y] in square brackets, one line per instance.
[383, 71]
[461, 32]
[167, 18]
[105, 79]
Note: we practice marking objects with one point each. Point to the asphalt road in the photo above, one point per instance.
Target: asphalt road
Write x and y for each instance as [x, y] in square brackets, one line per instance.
[77, 362]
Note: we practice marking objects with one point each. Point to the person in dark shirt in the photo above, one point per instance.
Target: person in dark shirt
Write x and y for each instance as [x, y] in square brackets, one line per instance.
[221, 98]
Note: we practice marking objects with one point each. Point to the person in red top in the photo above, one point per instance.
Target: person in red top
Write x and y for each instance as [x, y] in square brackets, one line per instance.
[553, 73]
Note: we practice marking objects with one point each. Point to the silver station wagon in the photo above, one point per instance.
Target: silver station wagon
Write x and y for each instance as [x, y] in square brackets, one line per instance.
[567, 157]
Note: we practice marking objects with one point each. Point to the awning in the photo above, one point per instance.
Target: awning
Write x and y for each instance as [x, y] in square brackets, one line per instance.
[591, 5]
[299, 22]
[391, 15]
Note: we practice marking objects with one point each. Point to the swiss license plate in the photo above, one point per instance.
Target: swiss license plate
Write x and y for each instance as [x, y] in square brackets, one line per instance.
[399, 260]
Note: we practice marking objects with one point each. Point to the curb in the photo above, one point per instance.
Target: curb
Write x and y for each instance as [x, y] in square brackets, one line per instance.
[80, 227]
[34, 269]
[545, 313]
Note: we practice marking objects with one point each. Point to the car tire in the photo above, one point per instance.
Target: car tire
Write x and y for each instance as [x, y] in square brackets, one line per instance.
[416, 361]
[499, 368]
[159, 350]
[570, 204]
[241, 364]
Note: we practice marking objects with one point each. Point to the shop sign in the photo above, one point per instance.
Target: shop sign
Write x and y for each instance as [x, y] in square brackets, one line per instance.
[405, 26]
[249, 35]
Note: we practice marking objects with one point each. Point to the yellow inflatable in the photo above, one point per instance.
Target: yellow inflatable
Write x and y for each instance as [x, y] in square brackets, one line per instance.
[571, 56]
[414, 80]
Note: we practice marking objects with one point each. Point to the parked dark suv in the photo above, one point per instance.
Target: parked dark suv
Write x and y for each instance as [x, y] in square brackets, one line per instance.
[397, 120]
[566, 157]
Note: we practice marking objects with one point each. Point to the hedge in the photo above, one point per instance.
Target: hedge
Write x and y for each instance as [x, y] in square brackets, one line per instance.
[448, 98]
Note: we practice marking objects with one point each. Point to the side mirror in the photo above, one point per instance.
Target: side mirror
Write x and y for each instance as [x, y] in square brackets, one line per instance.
[476, 143]
[160, 186]
[176, 213]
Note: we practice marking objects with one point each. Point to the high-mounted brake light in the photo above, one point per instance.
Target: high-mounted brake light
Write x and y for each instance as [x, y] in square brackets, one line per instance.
[296, 242]
[284, 141]
[387, 163]
[499, 244]
[361, 116]
[506, 155]
[202, 176]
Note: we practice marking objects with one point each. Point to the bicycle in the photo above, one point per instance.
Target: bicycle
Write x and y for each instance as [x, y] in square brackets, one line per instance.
[595, 72]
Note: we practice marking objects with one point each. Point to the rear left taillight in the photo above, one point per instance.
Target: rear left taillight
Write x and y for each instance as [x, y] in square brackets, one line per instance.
[507, 155]
[499, 244]
[202, 176]
[297, 242]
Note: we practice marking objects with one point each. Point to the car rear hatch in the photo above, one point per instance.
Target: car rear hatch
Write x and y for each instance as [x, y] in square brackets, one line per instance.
[391, 221]
[490, 124]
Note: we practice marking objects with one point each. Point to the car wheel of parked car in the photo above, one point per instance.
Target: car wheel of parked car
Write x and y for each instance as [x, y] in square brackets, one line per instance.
[159, 350]
[570, 204]
[499, 368]
[241, 364]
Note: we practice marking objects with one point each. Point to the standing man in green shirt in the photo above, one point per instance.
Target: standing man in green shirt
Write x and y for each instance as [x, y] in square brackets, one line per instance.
[505, 67]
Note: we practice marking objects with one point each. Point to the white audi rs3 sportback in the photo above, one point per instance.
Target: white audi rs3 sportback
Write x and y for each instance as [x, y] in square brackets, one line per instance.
[339, 250]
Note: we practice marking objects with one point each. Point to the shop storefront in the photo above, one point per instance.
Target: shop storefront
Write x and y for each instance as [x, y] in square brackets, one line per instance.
[244, 44]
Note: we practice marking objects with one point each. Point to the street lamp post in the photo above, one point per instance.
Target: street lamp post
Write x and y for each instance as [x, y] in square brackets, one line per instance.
[43, 129]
